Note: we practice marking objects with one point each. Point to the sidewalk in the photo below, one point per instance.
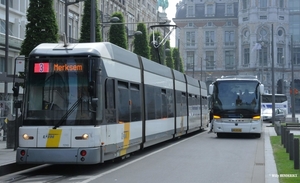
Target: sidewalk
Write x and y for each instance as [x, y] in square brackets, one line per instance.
[7, 156]
[270, 165]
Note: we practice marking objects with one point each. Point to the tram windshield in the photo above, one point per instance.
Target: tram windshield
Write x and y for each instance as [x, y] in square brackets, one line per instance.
[57, 92]
[236, 99]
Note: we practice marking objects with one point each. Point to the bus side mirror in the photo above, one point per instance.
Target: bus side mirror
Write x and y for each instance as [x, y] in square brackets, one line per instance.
[262, 89]
[211, 89]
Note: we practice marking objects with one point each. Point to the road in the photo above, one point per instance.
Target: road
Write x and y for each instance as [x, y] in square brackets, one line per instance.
[199, 158]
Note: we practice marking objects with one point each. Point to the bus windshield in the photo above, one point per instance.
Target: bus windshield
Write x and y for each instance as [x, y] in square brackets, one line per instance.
[57, 88]
[236, 99]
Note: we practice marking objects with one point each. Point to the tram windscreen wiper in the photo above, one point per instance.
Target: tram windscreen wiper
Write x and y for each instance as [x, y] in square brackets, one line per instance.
[65, 116]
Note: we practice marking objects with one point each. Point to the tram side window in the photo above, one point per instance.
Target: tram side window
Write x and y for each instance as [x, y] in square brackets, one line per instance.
[136, 107]
[110, 108]
[123, 103]
[110, 94]
[170, 103]
[150, 102]
[158, 103]
[180, 103]
[164, 103]
[184, 104]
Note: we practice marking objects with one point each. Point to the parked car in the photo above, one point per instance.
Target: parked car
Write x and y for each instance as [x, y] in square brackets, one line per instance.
[280, 115]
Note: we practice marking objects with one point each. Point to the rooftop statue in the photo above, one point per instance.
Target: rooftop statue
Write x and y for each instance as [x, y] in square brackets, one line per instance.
[163, 3]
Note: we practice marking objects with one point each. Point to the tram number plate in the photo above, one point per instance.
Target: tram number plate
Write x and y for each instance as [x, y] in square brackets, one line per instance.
[236, 130]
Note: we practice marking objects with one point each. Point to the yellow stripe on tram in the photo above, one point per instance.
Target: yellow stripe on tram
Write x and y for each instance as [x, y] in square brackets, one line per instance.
[53, 138]
[126, 138]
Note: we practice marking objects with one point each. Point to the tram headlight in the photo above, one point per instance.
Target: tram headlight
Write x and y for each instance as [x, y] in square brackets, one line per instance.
[27, 137]
[85, 136]
[82, 137]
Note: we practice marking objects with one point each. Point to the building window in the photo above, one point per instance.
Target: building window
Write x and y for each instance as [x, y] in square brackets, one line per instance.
[190, 11]
[2, 27]
[245, 5]
[210, 12]
[229, 38]
[280, 32]
[263, 33]
[296, 56]
[190, 24]
[229, 59]
[245, 19]
[190, 38]
[210, 59]
[263, 56]
[190, 60]
[10, 3]
[281, 3]
[263, 4]
[209, 38]
[210, 24]
[263, 17]
[246, 56]
[280, 58]
[229, 10]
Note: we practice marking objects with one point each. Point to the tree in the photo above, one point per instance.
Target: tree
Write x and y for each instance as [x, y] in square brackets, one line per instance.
[168, 54]
[181, 68]
[85, 30]
[117, 32]
[41, 26]
[155, 52]
[176, 58]
[141, 43]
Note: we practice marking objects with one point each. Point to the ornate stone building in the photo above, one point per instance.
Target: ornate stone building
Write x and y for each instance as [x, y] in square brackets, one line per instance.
[243, 37]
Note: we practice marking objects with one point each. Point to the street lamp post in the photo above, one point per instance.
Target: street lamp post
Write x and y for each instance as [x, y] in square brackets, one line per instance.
[201, 69]
[67, 3]
[262, 61]
[282, 61]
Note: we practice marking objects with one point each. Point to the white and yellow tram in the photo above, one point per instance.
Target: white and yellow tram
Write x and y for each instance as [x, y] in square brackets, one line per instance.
[86, 103]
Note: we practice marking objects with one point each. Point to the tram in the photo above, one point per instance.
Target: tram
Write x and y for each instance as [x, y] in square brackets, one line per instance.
[86, 103]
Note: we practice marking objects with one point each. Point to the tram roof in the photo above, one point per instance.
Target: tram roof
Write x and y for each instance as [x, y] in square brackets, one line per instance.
[97, 49]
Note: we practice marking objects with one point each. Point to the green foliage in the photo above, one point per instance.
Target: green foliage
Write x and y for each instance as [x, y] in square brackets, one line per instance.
[181, 69]
[154, 52]
[141, 43]
[283, 164]
[41, 27]
[168, 54]
[176, 58]
[85, 34]
[117, 32]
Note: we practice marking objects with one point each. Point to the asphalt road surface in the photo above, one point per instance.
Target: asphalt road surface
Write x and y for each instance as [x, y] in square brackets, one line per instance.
[200, 157]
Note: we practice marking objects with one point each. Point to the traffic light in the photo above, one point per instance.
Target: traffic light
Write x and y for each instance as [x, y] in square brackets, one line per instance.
[296, 85]
[279, 86]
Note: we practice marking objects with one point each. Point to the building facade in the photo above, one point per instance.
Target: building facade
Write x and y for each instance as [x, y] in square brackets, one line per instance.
[243, 37]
